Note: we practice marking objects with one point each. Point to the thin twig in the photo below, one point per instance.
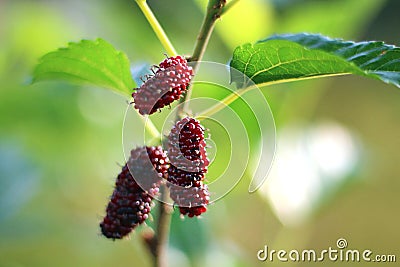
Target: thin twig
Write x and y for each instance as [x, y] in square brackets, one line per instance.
[164, 221]
[214, 10]
[157, 241]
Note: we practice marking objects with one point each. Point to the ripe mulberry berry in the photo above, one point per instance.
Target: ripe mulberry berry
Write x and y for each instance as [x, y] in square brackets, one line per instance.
[130, 202]
[187, 147]
[167, 85]
[192, 201]
[189, 162]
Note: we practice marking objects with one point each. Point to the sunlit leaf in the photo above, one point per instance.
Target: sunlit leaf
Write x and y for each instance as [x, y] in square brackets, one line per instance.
[283, 58]
[90, 62]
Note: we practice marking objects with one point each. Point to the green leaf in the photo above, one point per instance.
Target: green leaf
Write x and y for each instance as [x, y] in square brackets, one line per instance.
[283, 58]
[88, 62]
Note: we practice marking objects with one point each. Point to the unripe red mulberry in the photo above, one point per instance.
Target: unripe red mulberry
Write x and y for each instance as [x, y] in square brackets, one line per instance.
[167, 85]
[131, 200]
[187, 147]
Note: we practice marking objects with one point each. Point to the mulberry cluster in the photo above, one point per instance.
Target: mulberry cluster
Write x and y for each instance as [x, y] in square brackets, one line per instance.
[148, 167]
[189, 163]
[131, 200]
[166, 85]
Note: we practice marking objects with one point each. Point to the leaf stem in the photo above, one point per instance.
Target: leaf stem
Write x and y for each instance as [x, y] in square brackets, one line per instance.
[236, 94]
[158, 30]
[223, 103]
[149, 126]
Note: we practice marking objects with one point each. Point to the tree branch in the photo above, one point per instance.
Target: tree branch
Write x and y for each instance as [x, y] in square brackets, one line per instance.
[157, 242]
[164, 221]
[214, 11]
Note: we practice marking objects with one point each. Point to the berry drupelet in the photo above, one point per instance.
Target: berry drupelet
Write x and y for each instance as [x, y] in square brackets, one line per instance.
[192, 201]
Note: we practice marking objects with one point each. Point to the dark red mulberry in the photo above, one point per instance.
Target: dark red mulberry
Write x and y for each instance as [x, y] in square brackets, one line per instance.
[189, 162]
[187, 147]
[167, 85]
[192, 201]
[131, 200]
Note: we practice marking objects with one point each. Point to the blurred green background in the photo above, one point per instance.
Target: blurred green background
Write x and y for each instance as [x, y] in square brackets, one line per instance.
[337, 167]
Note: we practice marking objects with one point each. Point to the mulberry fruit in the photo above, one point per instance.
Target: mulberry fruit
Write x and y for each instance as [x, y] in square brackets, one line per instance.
[187, 147]
[167, 84]
[131, 201]
[189, 162]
